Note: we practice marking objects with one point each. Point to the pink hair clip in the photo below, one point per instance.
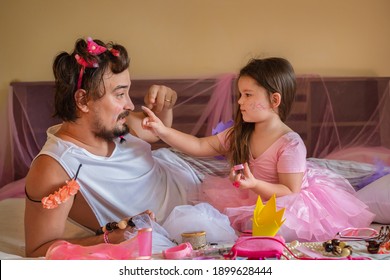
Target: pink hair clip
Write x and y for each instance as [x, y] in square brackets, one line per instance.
[122, 139]
[84, 64]
[94, 48]
[115, 52]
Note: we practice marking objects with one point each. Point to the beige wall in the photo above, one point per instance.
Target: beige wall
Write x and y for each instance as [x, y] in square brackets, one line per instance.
[196, 38]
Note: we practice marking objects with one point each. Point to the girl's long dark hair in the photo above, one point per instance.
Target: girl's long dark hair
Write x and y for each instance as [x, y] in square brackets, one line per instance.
[275, 74]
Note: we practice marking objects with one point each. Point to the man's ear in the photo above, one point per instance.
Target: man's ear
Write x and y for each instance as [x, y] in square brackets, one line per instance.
[81, 99]
[276, 98]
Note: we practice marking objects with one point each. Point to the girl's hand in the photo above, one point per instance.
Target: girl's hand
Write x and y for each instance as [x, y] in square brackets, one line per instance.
[243, 179]
[235, 171]
[152, 123]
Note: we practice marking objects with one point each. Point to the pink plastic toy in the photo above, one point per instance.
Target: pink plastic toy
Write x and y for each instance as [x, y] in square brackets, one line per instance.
[178, 252]
[257, 247]
[138, 247]
[238, 167]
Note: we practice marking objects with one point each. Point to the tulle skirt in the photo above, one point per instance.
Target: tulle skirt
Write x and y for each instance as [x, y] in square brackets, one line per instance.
[325, 205]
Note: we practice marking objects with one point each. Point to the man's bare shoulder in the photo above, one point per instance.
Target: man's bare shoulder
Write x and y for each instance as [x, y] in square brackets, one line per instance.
[45, 176]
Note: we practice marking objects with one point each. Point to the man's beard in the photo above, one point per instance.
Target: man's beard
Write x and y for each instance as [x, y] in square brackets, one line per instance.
[110, 135]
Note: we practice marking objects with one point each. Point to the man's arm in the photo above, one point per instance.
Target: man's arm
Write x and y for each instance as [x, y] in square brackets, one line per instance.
[45, 226]
[160, 99]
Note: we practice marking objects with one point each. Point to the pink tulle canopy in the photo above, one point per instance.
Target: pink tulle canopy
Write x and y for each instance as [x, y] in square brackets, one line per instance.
[337, 117]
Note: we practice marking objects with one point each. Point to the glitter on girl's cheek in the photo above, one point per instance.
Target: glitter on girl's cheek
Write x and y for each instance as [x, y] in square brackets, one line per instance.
[258, 106]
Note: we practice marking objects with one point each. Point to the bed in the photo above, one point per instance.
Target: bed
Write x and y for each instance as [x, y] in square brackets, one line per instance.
[343, 121]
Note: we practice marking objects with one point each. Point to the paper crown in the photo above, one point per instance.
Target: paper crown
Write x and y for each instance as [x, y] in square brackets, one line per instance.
[266, 220]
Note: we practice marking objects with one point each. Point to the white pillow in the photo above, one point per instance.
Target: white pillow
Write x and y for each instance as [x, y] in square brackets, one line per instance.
[377, 197]
[12, 228]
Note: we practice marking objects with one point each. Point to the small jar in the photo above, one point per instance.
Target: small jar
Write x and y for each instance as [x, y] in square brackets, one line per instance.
[197, 239]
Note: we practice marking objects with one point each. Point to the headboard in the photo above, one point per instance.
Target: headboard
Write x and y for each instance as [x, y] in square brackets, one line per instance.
[345, 105]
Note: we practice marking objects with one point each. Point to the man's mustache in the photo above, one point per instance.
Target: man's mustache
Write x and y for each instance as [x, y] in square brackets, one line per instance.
[123, 115]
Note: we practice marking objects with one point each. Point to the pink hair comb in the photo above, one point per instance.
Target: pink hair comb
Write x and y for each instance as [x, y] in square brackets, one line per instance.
[96, 49]
[84, 64]
[115, 52]
[93, 49]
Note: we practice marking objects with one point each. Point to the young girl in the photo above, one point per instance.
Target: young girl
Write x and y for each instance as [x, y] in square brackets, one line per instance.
[317, 203]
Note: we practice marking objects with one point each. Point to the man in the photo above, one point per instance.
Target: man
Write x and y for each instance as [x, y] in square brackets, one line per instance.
[102, 149]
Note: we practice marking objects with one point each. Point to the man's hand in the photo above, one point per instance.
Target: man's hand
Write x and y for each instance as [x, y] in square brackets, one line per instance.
[160, 98]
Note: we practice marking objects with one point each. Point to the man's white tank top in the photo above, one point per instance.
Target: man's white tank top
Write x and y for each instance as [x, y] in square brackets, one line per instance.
[128, 182]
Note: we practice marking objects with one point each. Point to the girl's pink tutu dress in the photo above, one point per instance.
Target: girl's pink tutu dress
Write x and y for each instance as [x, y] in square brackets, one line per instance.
[325, 205]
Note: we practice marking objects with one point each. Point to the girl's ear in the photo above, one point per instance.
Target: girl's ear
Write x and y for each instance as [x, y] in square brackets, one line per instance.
[81, 100]
[276, 98]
